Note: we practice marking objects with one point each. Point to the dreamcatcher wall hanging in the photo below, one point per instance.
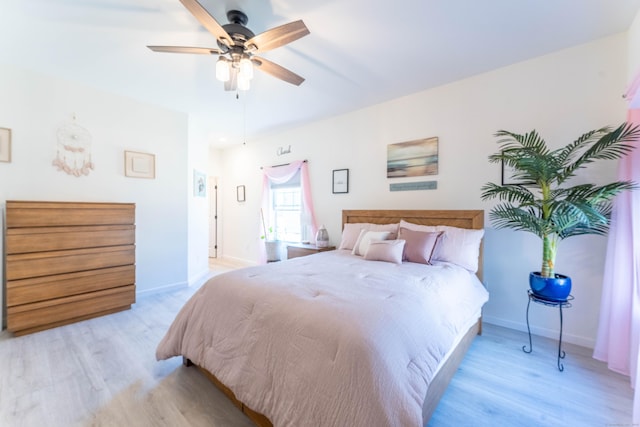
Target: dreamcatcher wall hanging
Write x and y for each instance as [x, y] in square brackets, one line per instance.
[73, 150]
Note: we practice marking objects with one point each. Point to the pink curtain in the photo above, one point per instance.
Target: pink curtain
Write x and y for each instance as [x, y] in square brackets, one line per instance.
[618, 337]
[280, 175]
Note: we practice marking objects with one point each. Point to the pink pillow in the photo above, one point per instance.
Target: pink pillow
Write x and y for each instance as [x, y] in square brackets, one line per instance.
[459, 246]
[350, 235]
[420, 245]
[385, 250]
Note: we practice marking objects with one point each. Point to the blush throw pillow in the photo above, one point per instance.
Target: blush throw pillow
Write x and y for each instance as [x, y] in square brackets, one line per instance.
[460, 246]
[420, 244]
[365, 238]
[350, 235]
[385, 250]
[352, 231]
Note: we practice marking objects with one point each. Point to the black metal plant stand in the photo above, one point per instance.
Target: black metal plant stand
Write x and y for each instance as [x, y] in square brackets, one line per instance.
[549, 303]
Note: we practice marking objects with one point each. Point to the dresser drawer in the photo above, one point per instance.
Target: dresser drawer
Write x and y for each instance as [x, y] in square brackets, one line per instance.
[43, 239]
[62, 285]
[51, 214]
[32, 317]
[22, 266]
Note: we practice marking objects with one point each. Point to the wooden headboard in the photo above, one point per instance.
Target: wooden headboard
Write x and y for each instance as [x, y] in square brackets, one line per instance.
[473, 219]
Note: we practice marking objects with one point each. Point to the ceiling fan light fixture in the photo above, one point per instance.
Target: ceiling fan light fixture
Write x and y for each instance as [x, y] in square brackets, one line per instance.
[246, 68]
[243, 82]
[237, 46]
[222, 69]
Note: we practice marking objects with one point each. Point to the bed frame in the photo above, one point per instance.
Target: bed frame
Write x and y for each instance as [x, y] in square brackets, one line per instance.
[473, 219]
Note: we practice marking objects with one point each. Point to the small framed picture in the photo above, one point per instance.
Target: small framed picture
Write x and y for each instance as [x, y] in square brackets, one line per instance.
[240, 193]
[508, 176]
[340, 181]
[5, 145]
[139, 165]
[199, 184]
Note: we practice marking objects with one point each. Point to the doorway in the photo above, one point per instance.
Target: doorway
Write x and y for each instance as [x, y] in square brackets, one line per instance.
[213, 217]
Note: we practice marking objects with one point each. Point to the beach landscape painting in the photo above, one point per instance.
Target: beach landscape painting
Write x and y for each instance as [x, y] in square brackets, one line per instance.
[412, 158]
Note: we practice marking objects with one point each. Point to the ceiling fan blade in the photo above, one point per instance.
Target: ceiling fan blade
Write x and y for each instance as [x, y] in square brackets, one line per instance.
[208, 21]
[232, 83]
[277, 71]
[184, 49]
[278, 36]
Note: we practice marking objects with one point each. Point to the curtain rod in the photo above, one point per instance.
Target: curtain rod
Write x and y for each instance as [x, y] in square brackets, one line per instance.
[284, 164]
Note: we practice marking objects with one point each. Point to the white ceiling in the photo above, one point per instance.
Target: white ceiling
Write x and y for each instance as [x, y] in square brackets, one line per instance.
[359, 52]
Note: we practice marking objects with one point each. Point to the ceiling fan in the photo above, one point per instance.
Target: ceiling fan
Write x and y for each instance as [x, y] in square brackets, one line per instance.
[238, 46]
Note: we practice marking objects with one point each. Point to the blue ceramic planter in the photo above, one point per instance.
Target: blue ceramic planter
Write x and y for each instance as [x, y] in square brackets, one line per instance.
[550, 288]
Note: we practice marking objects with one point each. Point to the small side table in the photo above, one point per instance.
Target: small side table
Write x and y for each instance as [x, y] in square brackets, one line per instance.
[295, 250]
[549, 303]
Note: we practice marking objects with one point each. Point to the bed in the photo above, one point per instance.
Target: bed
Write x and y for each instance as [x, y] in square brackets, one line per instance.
[338, 338]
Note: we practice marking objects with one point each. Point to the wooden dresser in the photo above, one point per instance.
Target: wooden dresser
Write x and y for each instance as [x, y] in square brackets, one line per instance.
[67, 261]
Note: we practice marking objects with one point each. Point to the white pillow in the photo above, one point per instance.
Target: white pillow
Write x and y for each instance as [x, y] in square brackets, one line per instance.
[351, 232]
[459, 246]
[385, 250]
[365, 238]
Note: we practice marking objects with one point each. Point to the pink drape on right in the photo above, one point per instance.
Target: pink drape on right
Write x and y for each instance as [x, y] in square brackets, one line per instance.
[618, 337]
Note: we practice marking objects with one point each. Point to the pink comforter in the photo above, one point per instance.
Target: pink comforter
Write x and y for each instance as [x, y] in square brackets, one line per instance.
[329, 339]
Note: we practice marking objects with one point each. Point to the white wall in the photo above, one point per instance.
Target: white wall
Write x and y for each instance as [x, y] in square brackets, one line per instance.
[198, 229]
[34, 106]
[633, 49]
[562, 95]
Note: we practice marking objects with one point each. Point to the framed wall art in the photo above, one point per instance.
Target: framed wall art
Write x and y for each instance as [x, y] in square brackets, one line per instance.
[340, 181]
[240, 196]
[5, 145]
[413, 158]
[139, 165]
[199, 183]
[509, 178]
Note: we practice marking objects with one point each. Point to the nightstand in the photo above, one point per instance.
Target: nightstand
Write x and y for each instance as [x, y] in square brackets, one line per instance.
[295, 250]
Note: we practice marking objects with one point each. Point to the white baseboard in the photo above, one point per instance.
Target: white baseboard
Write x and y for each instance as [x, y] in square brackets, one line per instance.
[543, 332]
[240, 262]
[164, 288]
[199, 278]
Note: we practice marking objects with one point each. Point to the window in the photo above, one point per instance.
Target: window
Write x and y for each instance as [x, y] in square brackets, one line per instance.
[286, 205]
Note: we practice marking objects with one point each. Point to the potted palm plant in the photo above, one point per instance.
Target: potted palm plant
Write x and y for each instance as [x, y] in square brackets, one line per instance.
[546, 206]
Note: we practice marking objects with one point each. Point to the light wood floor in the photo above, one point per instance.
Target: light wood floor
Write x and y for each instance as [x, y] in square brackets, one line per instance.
[103, 372]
